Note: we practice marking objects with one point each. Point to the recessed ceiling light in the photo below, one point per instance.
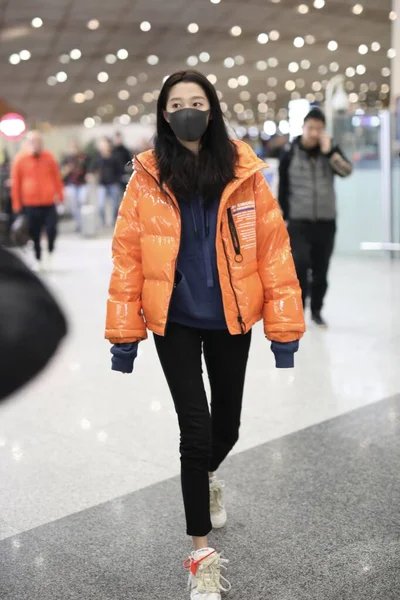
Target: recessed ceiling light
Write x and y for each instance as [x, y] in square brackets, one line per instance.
[293, 67]
[125, 119]
[391, 53]
[37, 22]
[75, 54]
[373, 86]
[273, 62]
[236, 31]
[303, 9]
[102, 77]
[123, 94]
[262, 97]
[79, 98]
[334, 67]
[333, 46]
[243, 80]
[233, 83]
[192, 61]
[89, 94]
[261, 65]
[212, 79]
[360, 70]
[385, 88]
[238, 107]
[319, 3]
[274, 35]
[310, 98]
[61, 76]
[322, 70]
[357, 9]
[110, 59]
[316, 86]
[148, 97]
[290, 85]
[350, 72]
[319, 96]
[14, 59]
[64, 59]
[363, 49]
[131, 80]
[298, 42]
[93, 24]
[262, 38]
[375, 46]
[349, 85]
[262, 107]
[353, 98]
[385, 72]
[25, 55]
[215, 1]
[133, 110]
[220, 95]
[51, 81]
[122, 54]
[153, 60]
[89, 122]
[272, 81]
[193, 28]
[393, 15]
[229, 62]
[364, 88]
[204, 57]
[145, 26]
[300, 83]
[239, 60]
[245, 95]
[309, 39]
[224, 106]
[305, 64]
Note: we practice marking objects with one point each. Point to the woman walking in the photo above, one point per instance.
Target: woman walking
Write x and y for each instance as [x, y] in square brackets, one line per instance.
[201, 254]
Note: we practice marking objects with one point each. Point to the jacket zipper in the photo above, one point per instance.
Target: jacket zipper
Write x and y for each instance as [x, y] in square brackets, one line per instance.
[239, 314]
[235, 237]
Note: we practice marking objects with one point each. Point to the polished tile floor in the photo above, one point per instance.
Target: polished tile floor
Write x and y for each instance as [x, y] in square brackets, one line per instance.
[81, 435]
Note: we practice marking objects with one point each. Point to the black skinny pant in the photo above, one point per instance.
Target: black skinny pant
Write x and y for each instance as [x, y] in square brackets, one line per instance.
[205, 440]
[42, 218]
[312, 247]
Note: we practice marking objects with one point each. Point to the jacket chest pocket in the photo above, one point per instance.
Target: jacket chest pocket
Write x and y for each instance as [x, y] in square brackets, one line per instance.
[242, 231]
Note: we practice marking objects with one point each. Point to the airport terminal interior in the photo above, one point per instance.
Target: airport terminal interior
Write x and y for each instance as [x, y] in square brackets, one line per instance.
[90, 492]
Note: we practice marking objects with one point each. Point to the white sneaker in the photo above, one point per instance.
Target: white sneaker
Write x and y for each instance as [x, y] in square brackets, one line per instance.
[48, 262]
[217, 506]
[205, 579]
[36, 266]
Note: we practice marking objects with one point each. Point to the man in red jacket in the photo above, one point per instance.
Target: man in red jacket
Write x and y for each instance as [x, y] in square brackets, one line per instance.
[36, 188]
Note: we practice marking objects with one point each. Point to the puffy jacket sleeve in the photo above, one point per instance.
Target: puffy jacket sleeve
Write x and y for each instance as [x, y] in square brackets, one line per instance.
[283, 309]
[125, 322]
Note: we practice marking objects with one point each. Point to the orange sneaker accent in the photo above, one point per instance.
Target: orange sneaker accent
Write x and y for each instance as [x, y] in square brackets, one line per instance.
[192, 565]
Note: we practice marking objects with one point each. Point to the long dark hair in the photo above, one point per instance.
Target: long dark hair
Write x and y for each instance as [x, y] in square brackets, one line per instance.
[185, 173]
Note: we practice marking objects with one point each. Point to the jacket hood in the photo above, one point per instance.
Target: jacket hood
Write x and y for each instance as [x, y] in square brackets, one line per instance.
[247, 164]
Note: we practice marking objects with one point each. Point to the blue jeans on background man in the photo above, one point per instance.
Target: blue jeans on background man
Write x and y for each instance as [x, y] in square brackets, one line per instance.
[113, 192]
[76, 195]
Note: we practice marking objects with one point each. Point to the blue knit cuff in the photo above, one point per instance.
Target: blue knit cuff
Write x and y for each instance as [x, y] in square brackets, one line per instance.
[284, 354]
[123, 357]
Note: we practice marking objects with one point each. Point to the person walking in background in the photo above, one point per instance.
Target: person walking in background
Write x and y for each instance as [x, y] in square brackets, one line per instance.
[201, 253]
[308, 201]
[108, 170]
[36, 188]
[124, 159]
[74, 169]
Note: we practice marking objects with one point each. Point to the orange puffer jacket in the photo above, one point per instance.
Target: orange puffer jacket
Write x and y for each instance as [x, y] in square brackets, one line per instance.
[255, 265]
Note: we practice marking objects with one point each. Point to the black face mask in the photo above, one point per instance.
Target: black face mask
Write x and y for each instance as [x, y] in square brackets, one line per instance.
[189, 124]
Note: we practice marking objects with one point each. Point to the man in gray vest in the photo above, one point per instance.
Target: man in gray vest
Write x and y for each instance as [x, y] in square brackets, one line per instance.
[308, 201]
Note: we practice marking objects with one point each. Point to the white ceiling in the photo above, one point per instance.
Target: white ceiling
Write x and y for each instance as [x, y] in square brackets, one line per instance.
[25, 86]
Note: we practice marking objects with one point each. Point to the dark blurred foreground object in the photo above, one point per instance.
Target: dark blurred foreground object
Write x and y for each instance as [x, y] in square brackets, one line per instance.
[19, 233]
[31, 324]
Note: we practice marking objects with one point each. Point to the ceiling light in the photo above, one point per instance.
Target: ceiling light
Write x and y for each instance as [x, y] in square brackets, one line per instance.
[61, 76]
[310, 39]
[204, 57]
[262, 107]
[319, 3]
[215, 1]
[239, 60]
[102, 77]
[233, 83]
[290, 85]
[238, 108]
[272, 81]
[373, 86]
[110, 59]
[193, 28]
[243, 80]
[123, 95]
[274, 35]
[298, 42]
[131, 80]
[360, 70]
[93, 24]
[79, 98]
[236, 31]
[385, 88]
[353, 98]
[305, 64]
[262, 38]
[37, 22]
[261, 65]
[89, 95]
[316, 86]
[145, 26]
[212, 79]
[271, 96]
[122, 54]
[153, 60]
[349, 85]
[364, 88]
[357, 9]
[14, 59]
[332, 46]
[262, 97]
[51, 80]
[24, 55]
[156, 94]
[363, 49]
[245, 95]
[125, 119]
[385, 72]
[284, 127]
[273, 62]
[220, 95]
[375, 46]
[64, 59]
[142, 77]
[75, 54]
[393, 15]
[224, 107]
[310, 98]
[229, 62]
[390, 54]
[133, 110]
[192, 61]
[319, 96]
[89, 123]
[248, 113]
[350, 72]
[293, 67]
[270, 128]
[302, 9]
[300, 83]
[148, 97]
[334, 67]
